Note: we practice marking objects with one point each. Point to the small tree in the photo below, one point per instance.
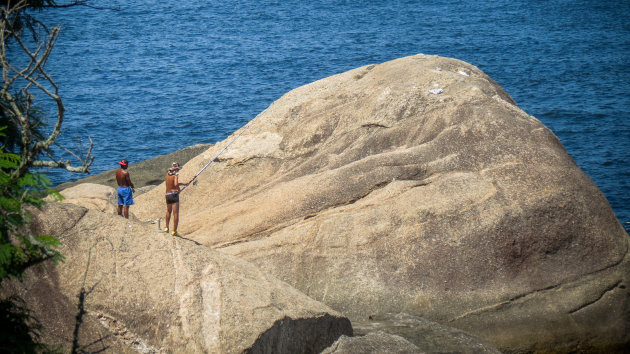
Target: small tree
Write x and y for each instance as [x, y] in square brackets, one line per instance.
[26, 86]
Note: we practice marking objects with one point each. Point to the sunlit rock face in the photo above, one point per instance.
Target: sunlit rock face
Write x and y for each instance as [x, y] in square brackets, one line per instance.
[153, 292]
[417, 186]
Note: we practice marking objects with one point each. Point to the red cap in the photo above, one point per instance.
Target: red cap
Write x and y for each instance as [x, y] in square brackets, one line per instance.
[123, 162]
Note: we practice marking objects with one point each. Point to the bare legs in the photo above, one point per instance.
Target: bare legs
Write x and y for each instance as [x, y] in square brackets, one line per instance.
[174, 208]
[120, 210]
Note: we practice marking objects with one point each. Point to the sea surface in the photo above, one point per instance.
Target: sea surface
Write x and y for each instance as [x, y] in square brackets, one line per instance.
[145, 78]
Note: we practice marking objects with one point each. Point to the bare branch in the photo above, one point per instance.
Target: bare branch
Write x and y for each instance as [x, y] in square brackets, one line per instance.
[86, 161]
[80, 3]
[62, 164]
[35, 77]
[38, 64]
[71, 152]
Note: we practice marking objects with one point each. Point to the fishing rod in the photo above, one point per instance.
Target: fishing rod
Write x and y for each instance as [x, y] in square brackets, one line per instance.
[219, 154]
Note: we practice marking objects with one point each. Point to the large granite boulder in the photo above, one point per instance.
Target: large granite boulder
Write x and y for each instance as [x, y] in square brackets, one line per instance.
[418, 186]
[159, 293]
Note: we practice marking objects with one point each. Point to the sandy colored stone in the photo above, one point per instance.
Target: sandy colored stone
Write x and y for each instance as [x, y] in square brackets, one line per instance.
[56, 313]
[160, 293]
[92, 196]
[428, 336]
[418, 186]
[420, 336]
[374, 342]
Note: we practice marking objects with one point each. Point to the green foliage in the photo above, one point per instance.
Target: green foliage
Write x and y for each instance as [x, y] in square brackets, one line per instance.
[21, 19]
[19, 250]
[21, 146]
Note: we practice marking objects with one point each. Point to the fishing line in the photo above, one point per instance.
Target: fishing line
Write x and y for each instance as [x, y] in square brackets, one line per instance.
[193, 180]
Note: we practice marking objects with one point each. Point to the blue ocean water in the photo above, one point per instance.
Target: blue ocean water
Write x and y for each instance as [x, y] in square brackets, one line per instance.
[144, 78]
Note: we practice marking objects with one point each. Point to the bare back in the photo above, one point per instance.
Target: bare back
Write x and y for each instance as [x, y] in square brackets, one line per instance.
[172, 183]
[123, 179]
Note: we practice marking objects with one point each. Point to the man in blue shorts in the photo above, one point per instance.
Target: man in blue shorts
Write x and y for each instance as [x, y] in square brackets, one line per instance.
[125, 188]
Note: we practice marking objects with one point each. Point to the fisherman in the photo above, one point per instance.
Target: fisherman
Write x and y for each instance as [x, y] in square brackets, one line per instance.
[125, 188]
[172, 196]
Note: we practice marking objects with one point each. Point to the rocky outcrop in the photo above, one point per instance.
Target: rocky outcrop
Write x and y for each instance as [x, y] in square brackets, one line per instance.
[60, 325]
[428, 336]
[149, 172]
[373, 342]
[91, 196]
[402, 333]
[418, 186]
[157, 292]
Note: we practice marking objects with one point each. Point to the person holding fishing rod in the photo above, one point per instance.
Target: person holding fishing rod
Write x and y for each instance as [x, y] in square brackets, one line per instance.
[172, 184]
[172, 196]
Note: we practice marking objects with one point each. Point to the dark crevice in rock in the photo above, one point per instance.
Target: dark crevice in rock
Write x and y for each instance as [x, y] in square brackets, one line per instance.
[617, 263]
[38, 228]
[268, 231]
[604, 292]
[551, 287]
[417, 176]
[246, 160]
[258, 235]
[491, 307]
[76, 222]
[421, 184]
[368, 192]
[190, 240]
[232, 243]
[374, 125]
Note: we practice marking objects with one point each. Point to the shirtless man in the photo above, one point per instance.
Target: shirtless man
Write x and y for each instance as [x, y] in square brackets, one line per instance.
[172, 197]
[125, 188]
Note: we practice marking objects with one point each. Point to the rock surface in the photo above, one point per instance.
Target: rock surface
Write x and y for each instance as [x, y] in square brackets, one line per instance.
[162, 293]
[402, 333]
[374, 342]
[418, 186]
[91, 196]
[56, 312]
[427, 336]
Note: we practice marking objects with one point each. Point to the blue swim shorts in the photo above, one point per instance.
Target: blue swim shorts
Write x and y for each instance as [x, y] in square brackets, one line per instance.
[125, 196]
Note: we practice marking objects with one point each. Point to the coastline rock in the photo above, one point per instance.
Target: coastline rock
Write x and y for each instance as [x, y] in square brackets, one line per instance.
[144, 173]
[428, 336]
[161, 293]
[374, 342]
[56, 313]
[418, 186]
[91, 196]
